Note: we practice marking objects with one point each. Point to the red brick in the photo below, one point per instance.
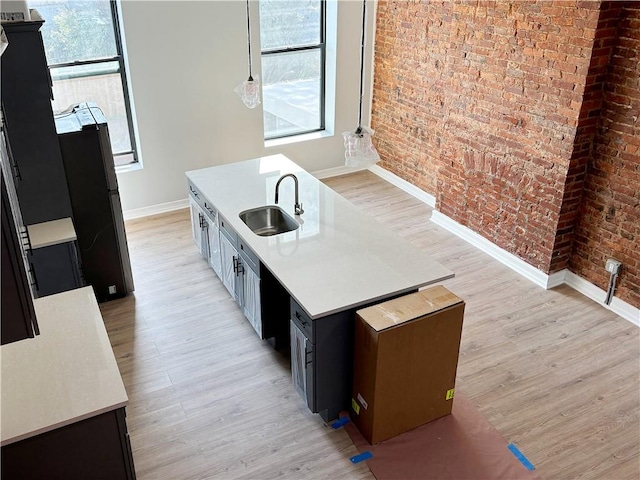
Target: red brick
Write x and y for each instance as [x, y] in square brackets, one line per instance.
[499, 122]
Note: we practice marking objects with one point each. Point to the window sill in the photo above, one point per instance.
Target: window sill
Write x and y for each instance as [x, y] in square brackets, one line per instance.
[132, 167]
[304, 137]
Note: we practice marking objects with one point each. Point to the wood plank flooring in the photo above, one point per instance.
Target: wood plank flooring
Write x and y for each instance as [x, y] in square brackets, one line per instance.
[554, 372]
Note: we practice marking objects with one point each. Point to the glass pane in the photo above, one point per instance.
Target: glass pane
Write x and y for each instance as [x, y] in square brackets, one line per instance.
[76, 29]
[291, 92]
[289, 23]
[105, 90]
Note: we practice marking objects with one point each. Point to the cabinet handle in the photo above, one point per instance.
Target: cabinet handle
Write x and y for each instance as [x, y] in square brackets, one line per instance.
[239, 267]
[33, 275]
[15, 168]
[302, 319]
[235, 265]
[26, 240]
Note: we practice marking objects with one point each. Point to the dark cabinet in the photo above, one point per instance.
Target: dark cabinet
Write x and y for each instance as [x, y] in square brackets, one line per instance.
[321, 356]
[26, 102]
[56, 268]
[96, 448]
[18, 315]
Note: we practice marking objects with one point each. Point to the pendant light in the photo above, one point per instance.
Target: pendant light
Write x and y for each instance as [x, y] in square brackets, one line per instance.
[249, 90]
[359, 149]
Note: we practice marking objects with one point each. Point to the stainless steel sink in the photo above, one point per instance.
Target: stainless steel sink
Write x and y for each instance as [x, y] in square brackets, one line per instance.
[269, 220]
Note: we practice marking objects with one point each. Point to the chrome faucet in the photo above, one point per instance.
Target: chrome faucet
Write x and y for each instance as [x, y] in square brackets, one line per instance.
[297, 207]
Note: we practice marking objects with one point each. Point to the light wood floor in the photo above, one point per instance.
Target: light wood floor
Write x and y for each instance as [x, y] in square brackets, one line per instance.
[554, 372]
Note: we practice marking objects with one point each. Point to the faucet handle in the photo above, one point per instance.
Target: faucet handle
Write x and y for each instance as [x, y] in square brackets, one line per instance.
[298, 209]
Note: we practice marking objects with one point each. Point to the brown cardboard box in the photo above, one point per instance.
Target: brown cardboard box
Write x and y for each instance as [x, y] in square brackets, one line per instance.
[405, 361]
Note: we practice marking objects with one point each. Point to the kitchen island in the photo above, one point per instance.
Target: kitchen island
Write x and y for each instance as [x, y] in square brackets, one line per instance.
[303, 287]
[63, 400]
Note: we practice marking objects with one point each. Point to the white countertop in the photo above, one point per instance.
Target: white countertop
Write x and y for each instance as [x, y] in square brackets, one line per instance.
[51, 233]
[66, 374]
[338, 258]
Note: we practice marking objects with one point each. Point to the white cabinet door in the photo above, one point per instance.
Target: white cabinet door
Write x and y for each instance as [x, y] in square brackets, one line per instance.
[204, 237]
[251, 298]
[196, 219]
[214, 248]
[199, 228]
[228, 256]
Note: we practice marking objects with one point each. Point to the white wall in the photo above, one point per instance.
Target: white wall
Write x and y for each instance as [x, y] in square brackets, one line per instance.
[185, 59]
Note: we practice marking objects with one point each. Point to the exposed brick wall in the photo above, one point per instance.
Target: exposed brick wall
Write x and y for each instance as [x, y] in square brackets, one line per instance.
[604, 42]
[492, 106]
[609, 226]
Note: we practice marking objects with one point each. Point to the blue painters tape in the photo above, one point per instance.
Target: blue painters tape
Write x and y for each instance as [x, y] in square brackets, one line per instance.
[363, 456]
[518, 454]
[340, 422]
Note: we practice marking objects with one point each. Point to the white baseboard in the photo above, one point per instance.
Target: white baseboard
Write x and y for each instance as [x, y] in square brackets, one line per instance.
[402, 184]
[556, 279]
[510, 260]
[547, 281]
[155, 209]
[617, 306]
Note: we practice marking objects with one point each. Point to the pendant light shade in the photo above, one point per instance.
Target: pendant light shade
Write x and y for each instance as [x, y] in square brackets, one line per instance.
[359, 149]
[249, 90]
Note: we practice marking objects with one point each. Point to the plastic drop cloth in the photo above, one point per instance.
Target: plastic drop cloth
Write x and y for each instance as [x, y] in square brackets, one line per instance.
[359, 149]
[249, 92]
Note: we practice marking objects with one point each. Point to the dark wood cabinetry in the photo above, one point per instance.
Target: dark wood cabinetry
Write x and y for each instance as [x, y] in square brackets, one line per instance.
[321, 355]
[18, 315]
[56, 268]
[26, 104]
[96, 448]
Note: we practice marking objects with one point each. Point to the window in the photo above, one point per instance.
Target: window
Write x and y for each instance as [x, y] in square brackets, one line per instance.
[84, 51]
[292, 36]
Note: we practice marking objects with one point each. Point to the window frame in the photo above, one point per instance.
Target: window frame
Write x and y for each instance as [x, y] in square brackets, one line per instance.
[322, 47]
[122, 70]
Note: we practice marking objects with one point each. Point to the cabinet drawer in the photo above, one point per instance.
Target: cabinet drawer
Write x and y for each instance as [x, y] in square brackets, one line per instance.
[196, 195]
[228, 232]
[302, 320]
[248, 256]
[210, 211]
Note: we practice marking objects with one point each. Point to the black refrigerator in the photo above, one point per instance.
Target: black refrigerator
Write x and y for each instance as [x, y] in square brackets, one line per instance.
[83, 135]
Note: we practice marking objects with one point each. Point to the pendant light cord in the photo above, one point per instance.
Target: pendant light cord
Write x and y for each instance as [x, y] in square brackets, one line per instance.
[364, 19]
[249, 40]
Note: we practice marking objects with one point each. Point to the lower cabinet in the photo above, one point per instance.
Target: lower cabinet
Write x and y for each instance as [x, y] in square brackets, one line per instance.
[302, 364]
[205, 232]
[199, 228]
[96, 448]
[213, 239]
[241, 275]
[17, 312]
[320, 349]
[55, 268]
[248, 270]
[229, 259]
